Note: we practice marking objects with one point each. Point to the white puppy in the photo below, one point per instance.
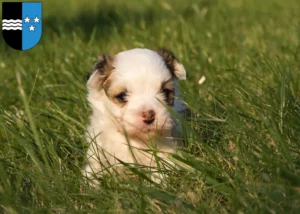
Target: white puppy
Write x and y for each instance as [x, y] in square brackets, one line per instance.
[129, 94]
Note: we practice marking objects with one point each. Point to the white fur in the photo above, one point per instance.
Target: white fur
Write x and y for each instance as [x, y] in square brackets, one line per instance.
[119, 133]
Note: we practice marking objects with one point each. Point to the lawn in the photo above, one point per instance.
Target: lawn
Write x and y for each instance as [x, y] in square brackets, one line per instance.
[242, 150]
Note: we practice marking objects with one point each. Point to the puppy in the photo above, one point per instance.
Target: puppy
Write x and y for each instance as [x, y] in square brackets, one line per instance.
[130, 94]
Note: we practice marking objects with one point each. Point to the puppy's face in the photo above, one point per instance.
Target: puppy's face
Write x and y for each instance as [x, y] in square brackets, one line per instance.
[136, 87]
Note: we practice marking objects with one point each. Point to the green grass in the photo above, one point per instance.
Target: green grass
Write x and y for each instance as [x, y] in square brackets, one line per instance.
[243, 151]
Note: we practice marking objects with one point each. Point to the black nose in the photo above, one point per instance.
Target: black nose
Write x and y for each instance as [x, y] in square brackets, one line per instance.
[149, 116]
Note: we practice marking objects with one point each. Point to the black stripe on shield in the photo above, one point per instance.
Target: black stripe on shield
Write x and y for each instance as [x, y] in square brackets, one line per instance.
[12, 24]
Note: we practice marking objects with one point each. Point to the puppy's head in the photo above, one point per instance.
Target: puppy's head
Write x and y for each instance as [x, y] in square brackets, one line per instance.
[133, 88]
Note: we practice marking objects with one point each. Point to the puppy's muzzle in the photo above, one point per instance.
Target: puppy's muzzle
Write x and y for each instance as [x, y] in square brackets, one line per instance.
[148, 116]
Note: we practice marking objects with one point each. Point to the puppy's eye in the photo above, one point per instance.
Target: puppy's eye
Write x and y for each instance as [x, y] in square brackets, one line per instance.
[167, 92]
[121, 97]
[169, 96]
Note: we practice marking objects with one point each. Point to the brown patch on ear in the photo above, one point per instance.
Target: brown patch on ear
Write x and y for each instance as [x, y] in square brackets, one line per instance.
[102, 70]
[172, 63]
[169, 59]
[106, 84]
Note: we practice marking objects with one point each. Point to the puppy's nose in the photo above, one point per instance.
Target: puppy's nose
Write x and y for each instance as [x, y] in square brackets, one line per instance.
[149, 116]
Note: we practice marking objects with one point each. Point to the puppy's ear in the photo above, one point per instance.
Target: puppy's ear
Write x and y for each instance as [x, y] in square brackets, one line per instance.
[102, 70]
[175, 67]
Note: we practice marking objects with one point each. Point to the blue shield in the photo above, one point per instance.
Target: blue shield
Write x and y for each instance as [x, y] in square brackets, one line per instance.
[22, 24]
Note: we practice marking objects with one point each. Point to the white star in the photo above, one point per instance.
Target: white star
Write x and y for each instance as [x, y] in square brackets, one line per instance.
[31, 28]
[37, 20]
[27, 19]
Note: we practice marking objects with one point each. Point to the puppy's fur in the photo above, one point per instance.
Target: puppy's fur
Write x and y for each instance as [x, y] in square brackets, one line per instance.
[129, 94]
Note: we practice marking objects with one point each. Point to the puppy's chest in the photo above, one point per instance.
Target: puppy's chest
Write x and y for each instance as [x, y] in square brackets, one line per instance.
[132, 150]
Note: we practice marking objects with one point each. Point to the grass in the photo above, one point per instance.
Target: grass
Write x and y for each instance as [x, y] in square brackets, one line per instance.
[242, 154]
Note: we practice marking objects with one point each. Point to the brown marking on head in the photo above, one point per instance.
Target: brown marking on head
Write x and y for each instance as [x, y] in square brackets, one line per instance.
[102, 70]
[116, 93]
[172, 63]
[168, 89]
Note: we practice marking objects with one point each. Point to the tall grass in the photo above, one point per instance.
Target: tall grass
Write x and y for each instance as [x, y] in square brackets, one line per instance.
[241, 153]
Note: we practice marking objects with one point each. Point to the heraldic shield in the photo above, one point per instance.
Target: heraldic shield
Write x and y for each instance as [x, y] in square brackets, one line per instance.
[22, 24]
